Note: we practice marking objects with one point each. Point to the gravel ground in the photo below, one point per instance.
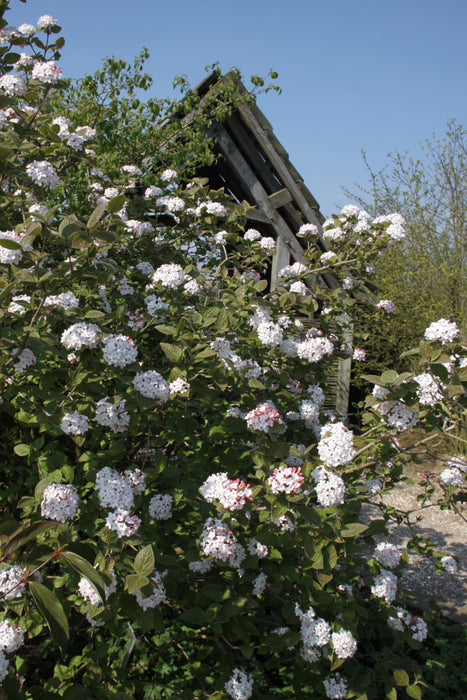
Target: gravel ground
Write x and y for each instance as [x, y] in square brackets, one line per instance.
[447, 531]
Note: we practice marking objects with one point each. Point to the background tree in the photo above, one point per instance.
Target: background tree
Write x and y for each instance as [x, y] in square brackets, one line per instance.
[426, 276]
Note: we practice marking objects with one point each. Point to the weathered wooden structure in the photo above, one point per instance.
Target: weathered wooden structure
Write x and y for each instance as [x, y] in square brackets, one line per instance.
[253, 166]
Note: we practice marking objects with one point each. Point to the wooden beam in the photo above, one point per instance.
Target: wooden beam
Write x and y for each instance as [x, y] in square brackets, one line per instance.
[280, 198]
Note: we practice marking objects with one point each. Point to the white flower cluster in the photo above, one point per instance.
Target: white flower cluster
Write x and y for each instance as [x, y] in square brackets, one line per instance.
[416, 625]
[286, 479]
[269, 334]
[344, 644]
[336, 687]
[46, 72]
[396, 228]
[452, 477]
[232, 494]
[314, 349]
[11, 636]
[88, 591]
[213, 208]
[330, 489]
[152, 385]
[401, 417]
[59, 502]
[336, 445]
[259, 584]
[294, 460]
[385, 586]
[119, 350]
[442, 330]
[178, 386]
[449, 564]
[80, 335]
[74, 423]
[386, 305]
[111, 416]
[115, 490]
[429, 392]
[10, 256]
[169, 275]
[66, 300]
[11, 582]
[45, 22]
[251, 235]
[308, 230]
[294, 270]
[157, 596]
[12, 86]
[264, 417]
[155, 305]
[315, 633]
[257, 549]
[160, 506]
[25, 359]
[240, 685]
[387, 554]
[145, 268]
[219, 542]
[43, 174]
[123, 523]
[267, 243]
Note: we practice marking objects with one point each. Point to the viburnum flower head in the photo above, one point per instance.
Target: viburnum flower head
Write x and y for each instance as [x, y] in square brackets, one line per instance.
[251, 235]
[217, 540]
[169, 275]
[336, 445]
[286, 479]
[264, 417]
[232, 494]
[385, 586]
[387, 554]
[123, 523]
[59, 502]
[152, 385]
[269, 334]
[307, 230]
[111, 416]
[115, 490]
[11, 636]
[74, 423]
[396, 228]
[240, 685]
[429, 391]
[330, 489]
[80, 335]
[178, 386]
[119, 350]
[157, 596]
[160, 506]
[314, 349]
[442, 330]
[46, 21]
[386, 305]
[12, 86]
[25, 359]
[168, 175]
[43, 174]
[401, 417]
[11, 582]
[46, 72]
[452, 477]
[336, 687]
[88, 591]
[344, 644]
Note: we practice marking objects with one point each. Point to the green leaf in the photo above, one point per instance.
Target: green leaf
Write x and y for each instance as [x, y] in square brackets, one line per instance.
[24, 535]
[116, 203]
[353, 530]
[414, 691]
[22, 450]
[144, 561]
[173, 352]
[401, 677]
[11, 245]
[83, 567]
[134, 582]
[96, 215]
[51, 610]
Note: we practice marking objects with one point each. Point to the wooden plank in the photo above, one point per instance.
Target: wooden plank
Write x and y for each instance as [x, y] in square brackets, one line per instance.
[280, 198]
[280, 259]
[260, 197]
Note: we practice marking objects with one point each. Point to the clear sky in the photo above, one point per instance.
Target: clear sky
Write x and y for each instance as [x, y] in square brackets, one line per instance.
[376, 75]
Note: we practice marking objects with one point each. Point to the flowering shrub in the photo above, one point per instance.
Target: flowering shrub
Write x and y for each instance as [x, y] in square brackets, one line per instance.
[173, 501]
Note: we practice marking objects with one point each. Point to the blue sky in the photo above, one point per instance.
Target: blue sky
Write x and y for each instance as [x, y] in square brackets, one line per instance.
[376, 75]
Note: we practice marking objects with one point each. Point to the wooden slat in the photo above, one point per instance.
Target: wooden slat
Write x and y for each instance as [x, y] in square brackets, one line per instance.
[280, 198]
